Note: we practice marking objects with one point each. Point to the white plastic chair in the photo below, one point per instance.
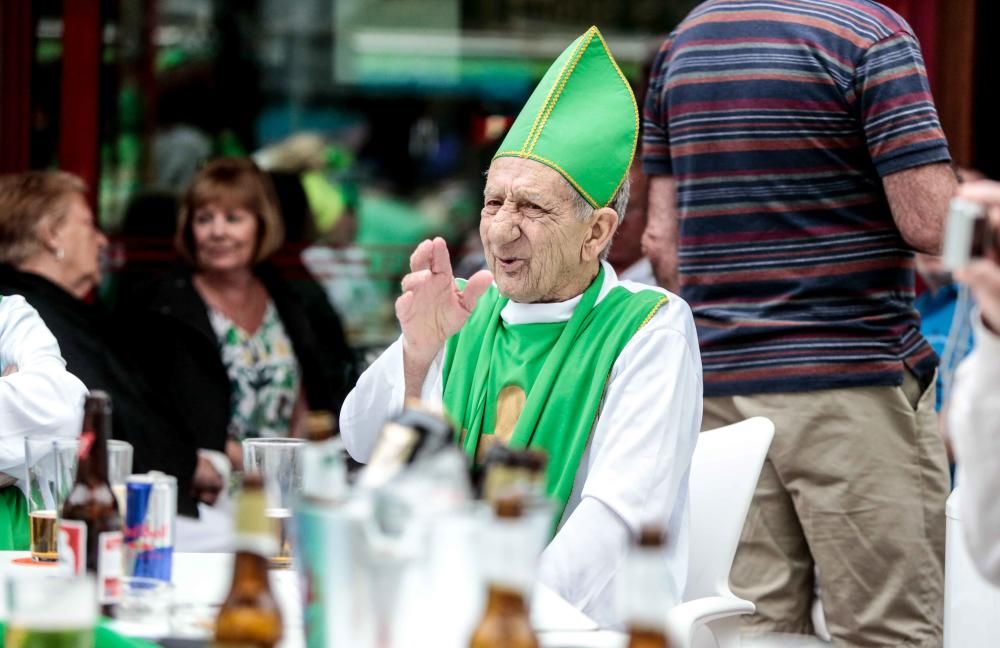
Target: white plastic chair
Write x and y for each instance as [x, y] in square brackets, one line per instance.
[724, 473]
[971, 603]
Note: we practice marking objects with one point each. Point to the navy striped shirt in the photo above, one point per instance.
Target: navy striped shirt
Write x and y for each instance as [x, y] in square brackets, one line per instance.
[778, 120]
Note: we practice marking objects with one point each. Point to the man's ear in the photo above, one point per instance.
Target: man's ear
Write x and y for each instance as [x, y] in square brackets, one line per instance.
[603, 225]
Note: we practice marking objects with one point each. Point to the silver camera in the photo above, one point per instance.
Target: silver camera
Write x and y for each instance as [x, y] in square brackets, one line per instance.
[967, 234]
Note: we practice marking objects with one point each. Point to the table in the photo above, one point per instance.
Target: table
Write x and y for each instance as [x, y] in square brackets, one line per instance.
[204, 578]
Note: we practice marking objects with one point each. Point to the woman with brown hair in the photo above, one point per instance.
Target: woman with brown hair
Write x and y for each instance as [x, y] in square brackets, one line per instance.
[278, 354]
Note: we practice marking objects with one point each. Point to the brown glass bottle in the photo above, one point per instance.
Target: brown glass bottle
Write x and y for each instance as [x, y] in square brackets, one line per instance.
[250, 617]
[90, 521]
[506, 622]
[647, 573]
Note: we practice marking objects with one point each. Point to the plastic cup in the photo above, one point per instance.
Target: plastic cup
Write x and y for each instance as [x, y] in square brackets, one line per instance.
[49, 472]
[52, 611]
[119, 468]
[279, 463]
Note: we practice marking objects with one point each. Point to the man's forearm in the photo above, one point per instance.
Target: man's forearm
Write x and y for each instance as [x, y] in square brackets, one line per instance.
[662, 225]
[416, 366]
[918, 199]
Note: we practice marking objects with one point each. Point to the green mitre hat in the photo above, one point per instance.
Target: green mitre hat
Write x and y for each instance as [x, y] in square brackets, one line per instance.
[581, 120]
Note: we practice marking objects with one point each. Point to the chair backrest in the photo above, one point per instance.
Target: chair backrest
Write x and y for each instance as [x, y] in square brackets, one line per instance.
[724, 472]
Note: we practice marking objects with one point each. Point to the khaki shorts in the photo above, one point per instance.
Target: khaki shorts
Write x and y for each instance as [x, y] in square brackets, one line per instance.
[854, 487]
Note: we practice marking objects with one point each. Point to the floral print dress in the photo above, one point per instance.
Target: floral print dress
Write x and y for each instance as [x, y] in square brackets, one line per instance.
[263, 373]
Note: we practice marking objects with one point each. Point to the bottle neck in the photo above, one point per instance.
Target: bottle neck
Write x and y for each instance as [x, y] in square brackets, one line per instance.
[505, 601]
[510, 554]
[250, 571]
[255, 532]
[649, 590]
[92, 467]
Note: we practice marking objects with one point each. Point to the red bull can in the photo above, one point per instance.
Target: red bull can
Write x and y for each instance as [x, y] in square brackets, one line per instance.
[150, 515]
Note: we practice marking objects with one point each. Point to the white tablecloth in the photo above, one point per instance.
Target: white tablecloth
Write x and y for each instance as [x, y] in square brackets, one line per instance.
[204, 578]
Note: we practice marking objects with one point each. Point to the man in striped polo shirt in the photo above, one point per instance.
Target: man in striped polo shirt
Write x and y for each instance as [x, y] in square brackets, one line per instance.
[798, 162]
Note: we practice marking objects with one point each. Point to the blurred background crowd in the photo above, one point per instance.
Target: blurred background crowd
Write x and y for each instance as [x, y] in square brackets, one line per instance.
[374, 120]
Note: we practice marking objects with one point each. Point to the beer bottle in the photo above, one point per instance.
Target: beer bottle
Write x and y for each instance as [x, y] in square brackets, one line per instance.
[417, 433]
[509, 563]
[648, 590]
[90, 528]
[250, 617]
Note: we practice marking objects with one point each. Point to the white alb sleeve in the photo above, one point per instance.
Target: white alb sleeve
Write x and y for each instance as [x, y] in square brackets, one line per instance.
[40, 397]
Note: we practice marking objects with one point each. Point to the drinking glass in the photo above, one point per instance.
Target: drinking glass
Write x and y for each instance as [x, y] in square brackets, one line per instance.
[119, 468]
[56, 611]
[279, 463]
[144, 607]
[49, 472]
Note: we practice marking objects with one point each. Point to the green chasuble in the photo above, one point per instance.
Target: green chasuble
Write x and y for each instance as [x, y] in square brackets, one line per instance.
[14, 534]
[540, 385]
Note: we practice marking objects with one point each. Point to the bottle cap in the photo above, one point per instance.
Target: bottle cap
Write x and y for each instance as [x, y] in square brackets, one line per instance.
[321, 425]
[533, 460]
[652, 535]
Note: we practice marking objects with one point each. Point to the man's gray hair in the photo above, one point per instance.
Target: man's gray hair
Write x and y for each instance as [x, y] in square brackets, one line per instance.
[619, 203]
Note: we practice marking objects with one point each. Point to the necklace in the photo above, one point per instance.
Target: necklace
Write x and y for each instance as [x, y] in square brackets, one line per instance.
[244, 308]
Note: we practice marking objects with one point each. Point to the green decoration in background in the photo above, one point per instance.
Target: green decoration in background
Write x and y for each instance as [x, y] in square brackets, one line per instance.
[581, 120]
[326, 201]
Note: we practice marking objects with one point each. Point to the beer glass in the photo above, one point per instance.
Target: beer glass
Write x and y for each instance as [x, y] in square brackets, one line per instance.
[119, 468]
[54, 611]
[279, 463]
[49, 472]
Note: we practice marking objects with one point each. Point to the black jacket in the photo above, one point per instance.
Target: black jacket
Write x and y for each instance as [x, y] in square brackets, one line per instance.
[189, 361]
[102, 352]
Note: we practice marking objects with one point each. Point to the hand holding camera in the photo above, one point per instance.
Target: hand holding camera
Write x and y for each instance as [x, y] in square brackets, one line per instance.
[972, 245]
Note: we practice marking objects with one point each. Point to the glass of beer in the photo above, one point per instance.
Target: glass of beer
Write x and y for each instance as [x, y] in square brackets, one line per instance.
[279, 463]
[49, 472]
[52, 611]
[119, 468]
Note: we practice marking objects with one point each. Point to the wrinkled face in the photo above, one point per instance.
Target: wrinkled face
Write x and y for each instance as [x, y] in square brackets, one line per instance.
[81, 243]
[532, 236]
[225, 237]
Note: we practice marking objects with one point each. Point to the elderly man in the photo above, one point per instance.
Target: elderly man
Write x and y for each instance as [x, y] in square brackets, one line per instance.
[551, 350]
